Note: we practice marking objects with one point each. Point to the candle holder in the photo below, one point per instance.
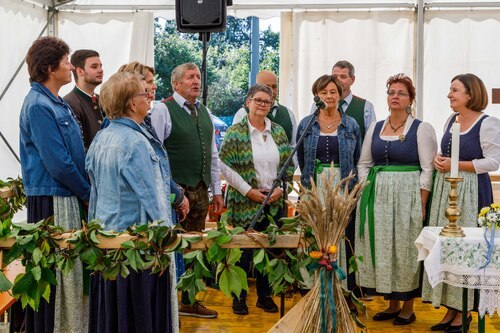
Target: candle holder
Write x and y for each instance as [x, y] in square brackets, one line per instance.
[453, 213]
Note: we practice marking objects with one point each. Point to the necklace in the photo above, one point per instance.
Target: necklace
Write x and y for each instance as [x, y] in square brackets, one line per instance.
[394, 129]
[334, 124]
[329, 126]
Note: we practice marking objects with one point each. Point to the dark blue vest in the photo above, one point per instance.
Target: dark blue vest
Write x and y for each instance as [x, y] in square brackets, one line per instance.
[470, 149]
[399, 152]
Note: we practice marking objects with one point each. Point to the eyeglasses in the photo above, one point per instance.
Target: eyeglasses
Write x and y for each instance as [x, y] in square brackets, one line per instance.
[146, 93]
[398, 93]
[260, 102]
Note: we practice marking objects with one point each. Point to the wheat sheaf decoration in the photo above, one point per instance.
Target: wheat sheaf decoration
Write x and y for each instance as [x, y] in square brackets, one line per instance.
[326, 210]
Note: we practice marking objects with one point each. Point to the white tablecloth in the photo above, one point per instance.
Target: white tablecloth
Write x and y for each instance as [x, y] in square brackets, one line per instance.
[456, 261]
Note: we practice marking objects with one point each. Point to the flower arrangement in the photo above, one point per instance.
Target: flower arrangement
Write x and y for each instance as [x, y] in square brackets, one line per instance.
[489, 216]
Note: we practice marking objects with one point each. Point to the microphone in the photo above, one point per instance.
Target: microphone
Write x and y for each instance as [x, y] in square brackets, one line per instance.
[319, 103]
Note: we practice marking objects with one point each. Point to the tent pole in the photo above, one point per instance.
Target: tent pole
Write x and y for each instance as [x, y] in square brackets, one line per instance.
[254, 50]
[204, 37]
[420, 59]
[10, 148]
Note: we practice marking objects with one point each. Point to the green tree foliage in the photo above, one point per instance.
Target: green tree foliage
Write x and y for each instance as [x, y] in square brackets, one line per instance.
[228, 60]
[270, 50]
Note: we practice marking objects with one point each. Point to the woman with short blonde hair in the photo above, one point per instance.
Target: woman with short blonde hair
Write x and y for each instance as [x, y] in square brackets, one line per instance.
[130, 176]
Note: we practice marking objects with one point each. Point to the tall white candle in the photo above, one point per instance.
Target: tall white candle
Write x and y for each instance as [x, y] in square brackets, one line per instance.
[455, 149]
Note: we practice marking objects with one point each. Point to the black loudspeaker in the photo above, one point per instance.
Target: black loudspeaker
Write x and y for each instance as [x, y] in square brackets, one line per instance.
[201, 15]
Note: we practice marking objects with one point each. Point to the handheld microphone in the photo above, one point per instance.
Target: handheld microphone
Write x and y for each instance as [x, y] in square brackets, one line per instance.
[319, 103]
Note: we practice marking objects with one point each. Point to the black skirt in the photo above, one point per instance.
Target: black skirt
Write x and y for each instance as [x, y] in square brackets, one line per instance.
[42, 321]
[139, 303]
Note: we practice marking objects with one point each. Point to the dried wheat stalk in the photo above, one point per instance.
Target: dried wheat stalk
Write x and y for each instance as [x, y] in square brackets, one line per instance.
[327, 211]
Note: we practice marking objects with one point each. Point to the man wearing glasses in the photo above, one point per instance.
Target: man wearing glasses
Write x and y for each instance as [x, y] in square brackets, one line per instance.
[82, 99]
[280, 114]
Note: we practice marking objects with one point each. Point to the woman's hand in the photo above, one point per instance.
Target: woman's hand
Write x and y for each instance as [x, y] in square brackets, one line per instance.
[256, 195]
[442, 164]
[277, 193]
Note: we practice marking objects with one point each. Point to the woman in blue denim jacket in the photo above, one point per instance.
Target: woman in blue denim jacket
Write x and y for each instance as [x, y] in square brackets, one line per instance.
[53, 169]
[130, 177]
[333, 138]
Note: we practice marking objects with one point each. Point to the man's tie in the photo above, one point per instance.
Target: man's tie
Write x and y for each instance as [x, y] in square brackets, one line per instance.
[191, 108]
[342, 103]
[94, 102]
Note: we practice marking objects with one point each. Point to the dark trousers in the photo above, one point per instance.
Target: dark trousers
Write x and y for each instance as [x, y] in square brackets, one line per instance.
[198, 207]
[261, 281]
[195, 220]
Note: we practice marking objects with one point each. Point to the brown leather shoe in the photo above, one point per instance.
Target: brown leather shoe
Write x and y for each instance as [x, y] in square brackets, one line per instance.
[196, 310]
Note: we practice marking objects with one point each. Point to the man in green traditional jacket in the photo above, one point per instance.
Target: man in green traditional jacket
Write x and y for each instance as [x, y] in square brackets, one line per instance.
[185, 127]
[358, 108]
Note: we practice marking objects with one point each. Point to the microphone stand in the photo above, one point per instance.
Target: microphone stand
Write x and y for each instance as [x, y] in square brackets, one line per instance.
[282, 172]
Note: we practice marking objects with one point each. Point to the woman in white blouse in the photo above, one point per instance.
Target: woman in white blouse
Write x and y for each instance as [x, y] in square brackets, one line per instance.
[253, 152]
[396, 158]
[479, 154]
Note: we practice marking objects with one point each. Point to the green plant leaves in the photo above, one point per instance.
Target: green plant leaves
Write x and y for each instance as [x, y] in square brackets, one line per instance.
[232, 280]
[5, 284]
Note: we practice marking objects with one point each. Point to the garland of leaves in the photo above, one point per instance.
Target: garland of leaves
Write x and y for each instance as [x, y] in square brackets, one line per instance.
[39, 248]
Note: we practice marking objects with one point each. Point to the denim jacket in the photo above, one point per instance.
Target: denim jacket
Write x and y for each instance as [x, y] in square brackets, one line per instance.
[51, 147]
[349, 148]
[130, 177]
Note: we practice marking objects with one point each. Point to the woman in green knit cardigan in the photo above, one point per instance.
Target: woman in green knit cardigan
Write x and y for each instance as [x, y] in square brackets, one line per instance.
[252, 153]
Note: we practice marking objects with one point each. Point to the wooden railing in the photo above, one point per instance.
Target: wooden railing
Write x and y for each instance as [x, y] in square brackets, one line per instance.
[5, 192]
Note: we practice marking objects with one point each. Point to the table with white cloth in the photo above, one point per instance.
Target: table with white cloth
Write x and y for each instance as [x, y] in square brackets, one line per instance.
[457, 262]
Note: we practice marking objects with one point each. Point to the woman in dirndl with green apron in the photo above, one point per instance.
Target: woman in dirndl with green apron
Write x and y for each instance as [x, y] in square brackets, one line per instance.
[397, 160]
[479, 154]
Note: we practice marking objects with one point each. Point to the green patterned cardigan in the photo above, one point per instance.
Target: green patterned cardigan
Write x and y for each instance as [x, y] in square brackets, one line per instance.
[236, 153]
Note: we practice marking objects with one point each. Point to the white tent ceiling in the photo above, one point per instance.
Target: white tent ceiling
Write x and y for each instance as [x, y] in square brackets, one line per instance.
[443, 42]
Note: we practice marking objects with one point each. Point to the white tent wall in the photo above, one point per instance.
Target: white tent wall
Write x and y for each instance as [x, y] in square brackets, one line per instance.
[20, 25]
[118, 37]
[378, 44]
[459, 42]
[383, 43]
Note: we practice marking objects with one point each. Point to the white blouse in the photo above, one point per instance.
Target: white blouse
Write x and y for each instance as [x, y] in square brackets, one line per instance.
[427, 149]
[266, 161]
[489, 138]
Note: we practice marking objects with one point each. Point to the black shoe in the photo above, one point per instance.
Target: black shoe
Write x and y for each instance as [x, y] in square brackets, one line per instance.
[240, 306]
[267, 303]
[385, 315]
[404, 321]
[458, 328]
[442, 326]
